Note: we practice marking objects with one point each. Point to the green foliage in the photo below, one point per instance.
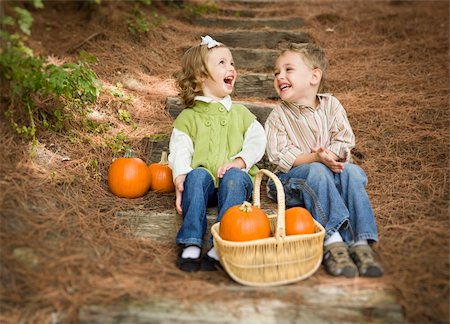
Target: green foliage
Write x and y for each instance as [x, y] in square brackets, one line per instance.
[192, 11]
[146, 2]
[125, 116]
[24, 20]
[139, 24]
[47, 93]
[119, 144]
[157, 137]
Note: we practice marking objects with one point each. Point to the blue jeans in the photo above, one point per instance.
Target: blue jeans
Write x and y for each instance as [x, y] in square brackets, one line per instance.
[338, 201]
[234, 188]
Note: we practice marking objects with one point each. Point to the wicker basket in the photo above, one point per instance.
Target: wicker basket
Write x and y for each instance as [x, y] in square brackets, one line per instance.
[276, 260]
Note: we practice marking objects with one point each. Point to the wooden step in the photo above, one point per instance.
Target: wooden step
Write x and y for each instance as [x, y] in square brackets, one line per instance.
[249, 23]
[317, 299]
[331, 302]
[260, 11]
[255, 85]
[174, 105]
[256, 60]
[260, 39]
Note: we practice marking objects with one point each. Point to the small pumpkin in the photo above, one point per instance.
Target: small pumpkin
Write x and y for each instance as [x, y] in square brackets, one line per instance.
[128, 177]
[298, 220]
[161, 175]
[244, 223]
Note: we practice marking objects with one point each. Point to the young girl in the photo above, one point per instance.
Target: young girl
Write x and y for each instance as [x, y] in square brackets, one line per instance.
[309, 140]
[213, 148]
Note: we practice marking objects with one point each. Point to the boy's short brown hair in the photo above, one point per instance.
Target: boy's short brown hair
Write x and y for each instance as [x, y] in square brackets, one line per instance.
[313, 56]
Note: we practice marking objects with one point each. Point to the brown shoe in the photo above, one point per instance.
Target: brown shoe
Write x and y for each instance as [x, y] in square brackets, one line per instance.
[364, 258]
[337, 260]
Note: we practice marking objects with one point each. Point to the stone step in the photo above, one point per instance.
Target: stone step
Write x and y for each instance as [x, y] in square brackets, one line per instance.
[257, 60]
[256, 85]
[260, 39]
[287, 23]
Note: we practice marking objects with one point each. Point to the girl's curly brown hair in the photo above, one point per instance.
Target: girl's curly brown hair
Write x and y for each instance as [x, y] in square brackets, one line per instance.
[193, 71]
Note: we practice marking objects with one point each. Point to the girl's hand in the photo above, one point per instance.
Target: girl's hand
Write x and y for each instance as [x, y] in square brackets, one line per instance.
[179, 188]
[237, 163]
[329, 159]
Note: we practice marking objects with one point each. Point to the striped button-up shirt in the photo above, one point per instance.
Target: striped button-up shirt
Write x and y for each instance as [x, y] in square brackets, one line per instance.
[293, 129]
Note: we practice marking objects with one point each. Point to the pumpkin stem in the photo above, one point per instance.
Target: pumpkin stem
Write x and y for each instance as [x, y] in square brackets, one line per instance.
[164, 160]
[246, 207]
[128, 152]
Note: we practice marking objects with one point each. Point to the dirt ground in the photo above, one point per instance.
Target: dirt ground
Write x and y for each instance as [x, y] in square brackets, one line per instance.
[62, 246]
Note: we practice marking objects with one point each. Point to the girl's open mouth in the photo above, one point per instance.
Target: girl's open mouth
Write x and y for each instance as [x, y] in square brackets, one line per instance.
[228, 80]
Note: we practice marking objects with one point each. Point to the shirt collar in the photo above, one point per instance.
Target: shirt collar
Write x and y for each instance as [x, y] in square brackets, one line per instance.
[297, 106]
[226, 102]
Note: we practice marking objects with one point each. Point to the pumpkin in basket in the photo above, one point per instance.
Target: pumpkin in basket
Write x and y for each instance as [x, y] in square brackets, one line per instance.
[244, 223]
[161, 175]
[128, 177]
[299, 221]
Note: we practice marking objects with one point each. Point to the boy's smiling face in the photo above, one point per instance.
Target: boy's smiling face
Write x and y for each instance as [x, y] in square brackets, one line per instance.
[294, 80]
[220, 66]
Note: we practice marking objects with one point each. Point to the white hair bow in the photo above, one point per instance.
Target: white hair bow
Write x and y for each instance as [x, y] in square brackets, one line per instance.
[207, 40]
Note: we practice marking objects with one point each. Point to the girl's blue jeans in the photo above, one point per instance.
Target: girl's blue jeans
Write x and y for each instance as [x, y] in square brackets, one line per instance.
[234, 188]
[338, 201]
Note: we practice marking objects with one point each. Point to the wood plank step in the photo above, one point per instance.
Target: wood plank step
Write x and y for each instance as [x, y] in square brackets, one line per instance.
[255, 85]
[257, 60]
[260, 12]
[317, 299]
[260, 39]
[249, 23]
[322, 304]
[174, 105]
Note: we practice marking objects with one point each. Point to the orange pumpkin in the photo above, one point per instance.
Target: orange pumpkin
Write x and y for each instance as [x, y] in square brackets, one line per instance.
[299, 221]
[244, 223]
[128, 177]
[161, 175]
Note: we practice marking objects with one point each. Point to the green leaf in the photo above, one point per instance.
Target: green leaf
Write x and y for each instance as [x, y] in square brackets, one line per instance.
[38, 4]
[25, 20]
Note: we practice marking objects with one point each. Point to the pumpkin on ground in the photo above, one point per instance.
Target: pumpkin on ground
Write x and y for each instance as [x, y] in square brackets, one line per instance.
[244, 223]
[299, 221]
[161, 175]
[128, 177]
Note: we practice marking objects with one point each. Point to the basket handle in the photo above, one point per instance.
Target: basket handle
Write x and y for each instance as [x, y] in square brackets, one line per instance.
[280, 230]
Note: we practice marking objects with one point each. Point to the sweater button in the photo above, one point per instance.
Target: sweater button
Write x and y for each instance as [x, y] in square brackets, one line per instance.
[221, 109]
[223, 122]
[208, 123]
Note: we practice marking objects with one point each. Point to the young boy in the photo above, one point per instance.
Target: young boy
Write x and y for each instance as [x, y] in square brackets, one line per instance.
[309, 140]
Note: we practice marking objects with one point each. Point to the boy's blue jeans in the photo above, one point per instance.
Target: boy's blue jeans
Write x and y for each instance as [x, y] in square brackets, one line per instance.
[234, 188]
[338, 201]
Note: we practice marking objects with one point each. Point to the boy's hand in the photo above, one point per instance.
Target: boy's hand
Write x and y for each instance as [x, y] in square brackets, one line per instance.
[237, 163]
[179, 188]
[329, 159]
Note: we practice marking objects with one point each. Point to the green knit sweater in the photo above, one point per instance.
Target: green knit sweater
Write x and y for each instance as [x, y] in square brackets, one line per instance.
[217, 134]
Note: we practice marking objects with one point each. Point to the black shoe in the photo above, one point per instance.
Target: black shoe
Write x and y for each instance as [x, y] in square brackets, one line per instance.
[209, 264]
[188, 264]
